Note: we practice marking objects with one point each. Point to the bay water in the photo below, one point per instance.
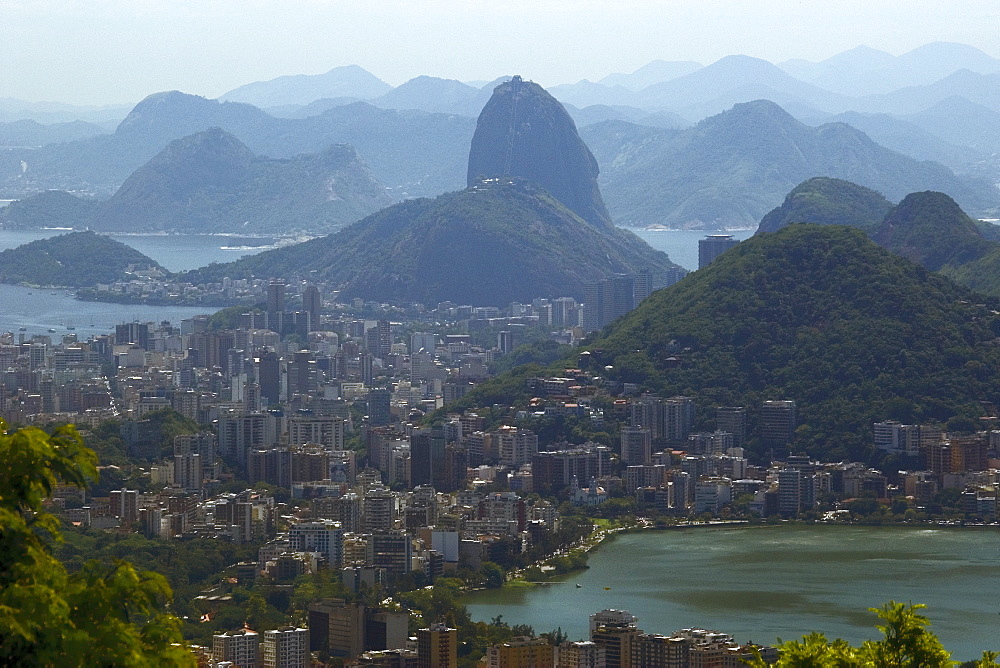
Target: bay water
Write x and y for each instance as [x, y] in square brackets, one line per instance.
[41, 310]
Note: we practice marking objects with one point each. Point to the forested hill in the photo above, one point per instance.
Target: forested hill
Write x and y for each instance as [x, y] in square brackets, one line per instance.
[79, 259]
[814, 313]
[828, 201]
[928, 227]
[493, 243]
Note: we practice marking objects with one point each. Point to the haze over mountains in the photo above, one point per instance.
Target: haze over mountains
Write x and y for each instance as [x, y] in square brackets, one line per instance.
[939, 103]
[530, 222]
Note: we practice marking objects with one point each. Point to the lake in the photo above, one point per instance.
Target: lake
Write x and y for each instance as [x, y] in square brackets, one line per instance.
[761, 583]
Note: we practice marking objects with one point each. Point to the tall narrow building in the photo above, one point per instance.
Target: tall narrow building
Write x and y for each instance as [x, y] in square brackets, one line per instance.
[712, 247]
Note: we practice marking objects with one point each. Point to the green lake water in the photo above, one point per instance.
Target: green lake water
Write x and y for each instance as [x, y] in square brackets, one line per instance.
[762, 583]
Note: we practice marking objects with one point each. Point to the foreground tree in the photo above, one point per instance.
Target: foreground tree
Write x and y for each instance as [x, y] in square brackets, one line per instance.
[105, 614]
[906, 643]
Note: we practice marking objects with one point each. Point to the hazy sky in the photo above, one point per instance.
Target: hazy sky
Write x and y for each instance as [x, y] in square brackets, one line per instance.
[115, 51]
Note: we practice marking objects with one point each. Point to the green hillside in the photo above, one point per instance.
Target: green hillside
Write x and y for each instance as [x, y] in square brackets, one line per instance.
[827, 201]
[821, 315]
[78, 259]
[930, 229]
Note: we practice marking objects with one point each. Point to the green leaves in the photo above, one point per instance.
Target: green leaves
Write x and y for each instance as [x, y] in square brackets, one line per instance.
[906, 643]
[32, 462]
[107, 613]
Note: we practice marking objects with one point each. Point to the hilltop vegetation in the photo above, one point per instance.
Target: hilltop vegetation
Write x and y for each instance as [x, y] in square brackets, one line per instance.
[930, 229]
[78, 259]
[827, 201]
[823, 316]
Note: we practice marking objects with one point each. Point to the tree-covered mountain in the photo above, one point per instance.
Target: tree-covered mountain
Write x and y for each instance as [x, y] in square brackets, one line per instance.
[302, 89]
[78, 259]
[51, 208]
[493, 243]
[821, 315]
[730, 169]
[211, 182]
[524, 132]
[930, 229]
[827, 201]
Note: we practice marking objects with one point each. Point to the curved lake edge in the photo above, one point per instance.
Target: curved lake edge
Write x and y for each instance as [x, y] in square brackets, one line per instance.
[826, 583]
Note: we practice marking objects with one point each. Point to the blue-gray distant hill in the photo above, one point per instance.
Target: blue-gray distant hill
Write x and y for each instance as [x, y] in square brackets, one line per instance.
[29, 133]
[211, 182]
[301, 89]
[730, 169]
[493, 243]
[51, 208]
[413, 153]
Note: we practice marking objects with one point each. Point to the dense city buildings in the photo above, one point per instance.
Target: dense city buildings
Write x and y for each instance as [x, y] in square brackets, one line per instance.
[339, 451]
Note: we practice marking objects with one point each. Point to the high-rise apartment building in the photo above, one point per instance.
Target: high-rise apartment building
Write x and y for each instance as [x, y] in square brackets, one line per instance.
[286, 647]
[437, 647]
[241, 648]
[712, 247]
[732, 419]
[778, 422]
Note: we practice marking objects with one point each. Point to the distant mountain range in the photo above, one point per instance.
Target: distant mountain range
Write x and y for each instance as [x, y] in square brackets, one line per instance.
[411, 152]
[27, 132]
[210, 182]
[530, 223]
[939, 103]
[730, 169]
[349, 81]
